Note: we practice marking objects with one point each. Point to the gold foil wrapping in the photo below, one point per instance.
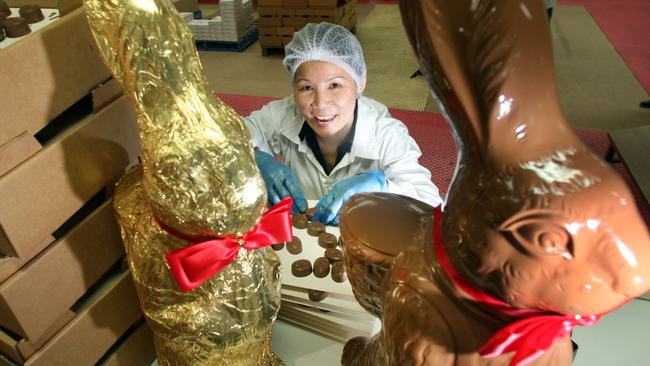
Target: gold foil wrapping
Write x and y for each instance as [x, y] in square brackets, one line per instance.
[198, 175]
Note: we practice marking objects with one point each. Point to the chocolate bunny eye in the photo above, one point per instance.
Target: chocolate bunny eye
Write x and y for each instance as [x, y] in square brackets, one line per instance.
[539, 232]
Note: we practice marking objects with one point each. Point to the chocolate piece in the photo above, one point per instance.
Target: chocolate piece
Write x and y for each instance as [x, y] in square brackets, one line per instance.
[315, 228]
[4, 9]
[338, 272]
[31, 13]
[299, 221]
[321, 267]
[301, 268]
[15, 27]
[2, 33]
[333, 255]
[310, 212]
[316, 295]
[327, 240]
[277, 246]
[294, 246]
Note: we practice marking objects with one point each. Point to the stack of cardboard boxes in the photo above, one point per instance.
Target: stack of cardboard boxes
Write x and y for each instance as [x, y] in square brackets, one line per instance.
[279, 19]
[66, 136]
[232, 25]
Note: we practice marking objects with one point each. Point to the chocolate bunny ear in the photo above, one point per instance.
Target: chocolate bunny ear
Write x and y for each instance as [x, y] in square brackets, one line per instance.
[489, 64]
[199, 172]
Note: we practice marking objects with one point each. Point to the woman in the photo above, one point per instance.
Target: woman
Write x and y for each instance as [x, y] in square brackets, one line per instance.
[326, 140]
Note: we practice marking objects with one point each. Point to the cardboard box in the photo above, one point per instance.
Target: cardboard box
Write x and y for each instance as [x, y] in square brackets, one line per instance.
[17, 150]
[64, 6]
[285, 31]
[18, 350]
[295, 22]
[323, 3]
[266, 11]
[109, 312]
[186, 5]
[47, 72]
[137, 349]
[41, 193]
[295, 3]
[10, 265]
[270, 22]
[42, 291]
[275, 3]
[270, 40]
[286, 12]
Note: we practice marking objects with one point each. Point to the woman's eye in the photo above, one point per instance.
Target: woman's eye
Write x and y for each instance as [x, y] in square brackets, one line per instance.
[303, 88]
[336, 85]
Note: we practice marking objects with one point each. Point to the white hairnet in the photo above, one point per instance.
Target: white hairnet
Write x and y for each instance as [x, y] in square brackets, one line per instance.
[326, 42]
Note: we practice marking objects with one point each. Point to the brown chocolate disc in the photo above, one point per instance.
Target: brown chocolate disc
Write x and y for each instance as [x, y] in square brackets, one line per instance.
[316, 295]
[294, 246]
[333, 255]
[301, 268]
[327, 240]
[321, 267]
[299, 221]
[315, 228]
[15, 27]
[310, 212]
[4, 9]
[338, 272]
[31, 13]
[277, 246]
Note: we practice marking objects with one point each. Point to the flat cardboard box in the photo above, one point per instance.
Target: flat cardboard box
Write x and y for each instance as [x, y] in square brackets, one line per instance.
[86, 336]
[270, 22]
[44, 191]
[41, 292]
[64, 6]
[83, 341]
[47, 72]
[137, 349]
[295, 3]
[186, 5]
[270, 40]
[275, 3]
[10, 265]
[267, 11]
[17, 150]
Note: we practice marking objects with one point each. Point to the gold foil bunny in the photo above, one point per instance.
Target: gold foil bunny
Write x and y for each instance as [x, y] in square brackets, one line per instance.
[198, 177]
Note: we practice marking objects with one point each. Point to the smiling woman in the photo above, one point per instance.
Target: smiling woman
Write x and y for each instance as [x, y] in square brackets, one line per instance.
[326, 141]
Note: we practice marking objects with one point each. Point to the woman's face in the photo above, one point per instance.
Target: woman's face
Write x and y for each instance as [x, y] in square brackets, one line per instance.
[326, 95]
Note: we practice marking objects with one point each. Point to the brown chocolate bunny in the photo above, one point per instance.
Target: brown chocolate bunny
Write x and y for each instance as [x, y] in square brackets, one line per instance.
[537, 235]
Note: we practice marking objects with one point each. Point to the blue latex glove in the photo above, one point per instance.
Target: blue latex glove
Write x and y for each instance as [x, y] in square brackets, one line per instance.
[328, 209]
[280, 181]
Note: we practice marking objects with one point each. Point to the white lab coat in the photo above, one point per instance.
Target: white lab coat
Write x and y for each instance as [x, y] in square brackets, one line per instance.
[380, 143]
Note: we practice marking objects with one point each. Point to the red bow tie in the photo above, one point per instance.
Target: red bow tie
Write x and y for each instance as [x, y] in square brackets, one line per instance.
[531, 335]
[195, 264]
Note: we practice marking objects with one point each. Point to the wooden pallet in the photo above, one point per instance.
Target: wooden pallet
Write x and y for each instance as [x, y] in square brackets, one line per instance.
[230, 46]
[272, 50]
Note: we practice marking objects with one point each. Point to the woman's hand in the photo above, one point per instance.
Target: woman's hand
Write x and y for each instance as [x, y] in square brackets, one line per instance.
[328, 209]
[280, 181]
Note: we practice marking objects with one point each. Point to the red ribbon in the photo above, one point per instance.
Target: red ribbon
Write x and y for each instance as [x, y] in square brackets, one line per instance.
[531, 335]
[193, 265]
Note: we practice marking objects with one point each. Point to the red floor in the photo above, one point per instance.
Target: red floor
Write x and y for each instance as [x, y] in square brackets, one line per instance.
[625, 23]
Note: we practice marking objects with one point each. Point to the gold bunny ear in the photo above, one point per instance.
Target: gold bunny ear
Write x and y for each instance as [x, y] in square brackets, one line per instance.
[199, 171]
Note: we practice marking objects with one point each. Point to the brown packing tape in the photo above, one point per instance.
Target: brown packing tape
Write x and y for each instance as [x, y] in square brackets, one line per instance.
[54, 183]
[48, 71]
[61, 274]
